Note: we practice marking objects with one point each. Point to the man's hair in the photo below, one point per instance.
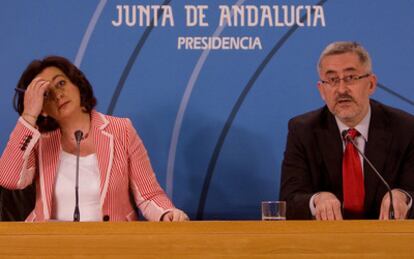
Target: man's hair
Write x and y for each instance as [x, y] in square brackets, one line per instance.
[88, 100]
[342, 47]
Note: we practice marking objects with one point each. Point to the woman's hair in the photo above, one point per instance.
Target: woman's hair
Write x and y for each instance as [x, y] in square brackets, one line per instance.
[88, 100]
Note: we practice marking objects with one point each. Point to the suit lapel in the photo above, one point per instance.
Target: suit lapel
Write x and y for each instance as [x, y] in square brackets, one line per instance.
[50, 154]
[330, 145]
[104, 144]
[379, 138]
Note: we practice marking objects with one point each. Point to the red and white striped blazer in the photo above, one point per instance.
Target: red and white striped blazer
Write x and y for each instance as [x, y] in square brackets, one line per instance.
[123, 164]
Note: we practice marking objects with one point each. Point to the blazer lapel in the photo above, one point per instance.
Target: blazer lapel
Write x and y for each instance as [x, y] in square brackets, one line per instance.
[330, 145]
[49, 158]
[104, 144]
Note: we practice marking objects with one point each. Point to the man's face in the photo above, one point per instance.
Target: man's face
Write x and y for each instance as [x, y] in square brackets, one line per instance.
[347, 99]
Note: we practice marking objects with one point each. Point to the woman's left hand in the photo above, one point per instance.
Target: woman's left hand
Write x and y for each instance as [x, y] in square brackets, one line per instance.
[175, 215]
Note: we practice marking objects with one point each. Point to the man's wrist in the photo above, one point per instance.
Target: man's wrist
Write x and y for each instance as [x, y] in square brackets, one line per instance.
[408, 198]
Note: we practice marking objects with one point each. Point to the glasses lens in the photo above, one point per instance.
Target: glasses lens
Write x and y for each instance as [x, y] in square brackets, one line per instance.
[334, 80]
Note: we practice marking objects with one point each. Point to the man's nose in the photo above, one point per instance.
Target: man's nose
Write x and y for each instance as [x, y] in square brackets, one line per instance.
[342, 87]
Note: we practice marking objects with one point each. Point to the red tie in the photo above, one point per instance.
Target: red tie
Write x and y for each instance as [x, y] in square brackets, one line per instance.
[353, 180]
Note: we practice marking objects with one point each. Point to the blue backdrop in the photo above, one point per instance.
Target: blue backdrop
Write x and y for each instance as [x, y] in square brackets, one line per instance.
[214, 121]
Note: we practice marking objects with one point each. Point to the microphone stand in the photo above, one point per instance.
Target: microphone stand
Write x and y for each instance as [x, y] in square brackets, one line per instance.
[76, 213]
[391, 210]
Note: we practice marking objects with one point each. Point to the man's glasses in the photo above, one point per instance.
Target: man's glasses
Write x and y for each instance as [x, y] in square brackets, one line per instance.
[348, 80]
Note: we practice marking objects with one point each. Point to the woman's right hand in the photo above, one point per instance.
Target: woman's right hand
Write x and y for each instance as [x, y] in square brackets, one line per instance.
[33, 99]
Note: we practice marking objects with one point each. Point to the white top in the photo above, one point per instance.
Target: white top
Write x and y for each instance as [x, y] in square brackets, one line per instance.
[89, 190]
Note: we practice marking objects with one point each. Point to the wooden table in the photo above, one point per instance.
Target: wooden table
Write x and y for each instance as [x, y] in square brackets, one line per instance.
[234, 239]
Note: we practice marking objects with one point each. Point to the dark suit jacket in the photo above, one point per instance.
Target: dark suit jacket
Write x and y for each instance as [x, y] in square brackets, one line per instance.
[313, 158]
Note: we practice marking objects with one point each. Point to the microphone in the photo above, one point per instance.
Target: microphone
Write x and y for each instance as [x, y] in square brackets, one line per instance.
[348, 138]
[76, 213]
[78, 136]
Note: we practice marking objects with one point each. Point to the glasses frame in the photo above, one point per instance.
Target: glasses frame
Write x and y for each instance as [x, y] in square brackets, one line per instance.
[351, 80]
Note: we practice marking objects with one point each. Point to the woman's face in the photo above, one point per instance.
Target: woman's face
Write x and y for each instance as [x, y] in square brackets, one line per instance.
[62, 100]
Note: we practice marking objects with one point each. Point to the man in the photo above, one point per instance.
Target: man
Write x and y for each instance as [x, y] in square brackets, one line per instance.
[323, 175]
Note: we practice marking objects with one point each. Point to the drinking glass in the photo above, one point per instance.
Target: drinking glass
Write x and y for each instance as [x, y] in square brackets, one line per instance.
[273, 210]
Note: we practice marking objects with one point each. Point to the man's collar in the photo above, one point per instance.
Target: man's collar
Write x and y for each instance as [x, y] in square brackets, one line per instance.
[362, 127]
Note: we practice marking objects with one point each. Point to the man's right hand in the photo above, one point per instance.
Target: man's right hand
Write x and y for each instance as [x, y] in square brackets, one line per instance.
[327, 206]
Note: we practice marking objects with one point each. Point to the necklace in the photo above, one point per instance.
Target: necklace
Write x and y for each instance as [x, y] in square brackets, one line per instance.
[73, 137]
[84, 137]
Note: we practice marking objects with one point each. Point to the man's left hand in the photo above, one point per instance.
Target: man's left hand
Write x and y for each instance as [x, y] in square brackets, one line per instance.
[400, 205]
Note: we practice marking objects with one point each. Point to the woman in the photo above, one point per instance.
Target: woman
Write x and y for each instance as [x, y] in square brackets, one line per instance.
[54, 100]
